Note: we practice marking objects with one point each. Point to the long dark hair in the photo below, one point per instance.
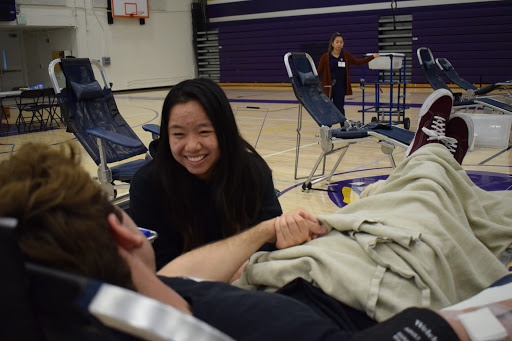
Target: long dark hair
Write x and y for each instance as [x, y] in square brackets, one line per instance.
[334, 36]
[236, 182]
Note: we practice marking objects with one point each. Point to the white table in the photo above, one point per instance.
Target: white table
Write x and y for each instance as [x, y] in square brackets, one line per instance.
[13, 93]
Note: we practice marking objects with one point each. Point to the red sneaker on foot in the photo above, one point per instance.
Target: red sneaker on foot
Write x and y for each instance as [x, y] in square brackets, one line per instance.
[461, 132]
[434, 115]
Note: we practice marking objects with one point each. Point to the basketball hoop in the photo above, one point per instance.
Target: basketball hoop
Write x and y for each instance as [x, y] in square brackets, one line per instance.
[130, 8]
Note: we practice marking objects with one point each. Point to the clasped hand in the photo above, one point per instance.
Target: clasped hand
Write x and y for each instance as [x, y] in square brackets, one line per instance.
[295, 228]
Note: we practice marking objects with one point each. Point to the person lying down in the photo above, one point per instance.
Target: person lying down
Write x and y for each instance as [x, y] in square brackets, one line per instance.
[67, 222]
[425, 237]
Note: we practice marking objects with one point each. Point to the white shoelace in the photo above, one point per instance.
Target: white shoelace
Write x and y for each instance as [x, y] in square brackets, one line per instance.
[437, 133]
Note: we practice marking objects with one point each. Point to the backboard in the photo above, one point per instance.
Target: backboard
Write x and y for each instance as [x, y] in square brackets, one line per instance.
[130, 8]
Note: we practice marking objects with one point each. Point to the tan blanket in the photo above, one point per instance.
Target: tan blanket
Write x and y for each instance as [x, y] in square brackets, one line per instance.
[426, 237]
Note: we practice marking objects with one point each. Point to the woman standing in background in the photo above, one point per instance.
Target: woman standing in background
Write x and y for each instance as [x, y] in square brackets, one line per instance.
[334, 70]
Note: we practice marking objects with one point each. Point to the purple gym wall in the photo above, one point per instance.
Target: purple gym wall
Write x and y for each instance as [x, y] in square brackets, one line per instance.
[476, 37]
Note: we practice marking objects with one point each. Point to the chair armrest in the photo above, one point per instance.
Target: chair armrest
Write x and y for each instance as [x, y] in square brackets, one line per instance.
[113, 137]
[152, 128]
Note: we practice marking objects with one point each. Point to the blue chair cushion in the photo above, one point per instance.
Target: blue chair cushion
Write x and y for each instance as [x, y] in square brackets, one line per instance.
[125, 171]
[307, 78]
[87, 90]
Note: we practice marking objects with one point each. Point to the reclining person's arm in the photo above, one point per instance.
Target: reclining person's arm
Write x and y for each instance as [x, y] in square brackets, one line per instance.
[220, 260]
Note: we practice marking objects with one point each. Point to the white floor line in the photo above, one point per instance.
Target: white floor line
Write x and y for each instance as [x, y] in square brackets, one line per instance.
[289, 150]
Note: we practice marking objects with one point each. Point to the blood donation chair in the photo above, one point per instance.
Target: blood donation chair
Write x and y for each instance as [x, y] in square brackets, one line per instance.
[307, 88]
[429, 69]
[44, 304]
[91, 114]
[472, 90]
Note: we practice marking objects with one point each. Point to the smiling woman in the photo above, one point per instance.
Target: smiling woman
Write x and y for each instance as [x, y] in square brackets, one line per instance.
[192, 139]
[206, 182]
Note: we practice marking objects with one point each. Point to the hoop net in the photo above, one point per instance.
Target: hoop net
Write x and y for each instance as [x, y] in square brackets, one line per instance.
[134, 14]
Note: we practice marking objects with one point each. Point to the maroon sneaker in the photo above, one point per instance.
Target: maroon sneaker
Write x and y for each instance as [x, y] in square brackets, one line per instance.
[434, 115]
[460, 133]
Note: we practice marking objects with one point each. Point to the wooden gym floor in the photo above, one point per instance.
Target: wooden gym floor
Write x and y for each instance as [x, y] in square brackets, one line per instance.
[277, 142]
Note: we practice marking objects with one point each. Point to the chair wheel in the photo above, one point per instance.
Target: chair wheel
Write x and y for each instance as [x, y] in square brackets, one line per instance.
[407, 123]
[305, 187]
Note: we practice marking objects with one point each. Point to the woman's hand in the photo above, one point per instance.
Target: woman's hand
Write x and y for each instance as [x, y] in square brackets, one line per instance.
[296, 227]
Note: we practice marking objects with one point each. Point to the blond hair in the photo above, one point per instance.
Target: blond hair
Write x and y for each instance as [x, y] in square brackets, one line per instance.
[62, 213]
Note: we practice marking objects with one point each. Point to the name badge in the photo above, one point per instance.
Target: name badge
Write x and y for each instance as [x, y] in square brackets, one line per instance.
[341, 64]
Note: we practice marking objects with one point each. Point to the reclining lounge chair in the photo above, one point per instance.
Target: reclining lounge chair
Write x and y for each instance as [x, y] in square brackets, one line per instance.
[429, 69]
[91, 114]
[41, 303]
[450, 72]
[307, 89]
